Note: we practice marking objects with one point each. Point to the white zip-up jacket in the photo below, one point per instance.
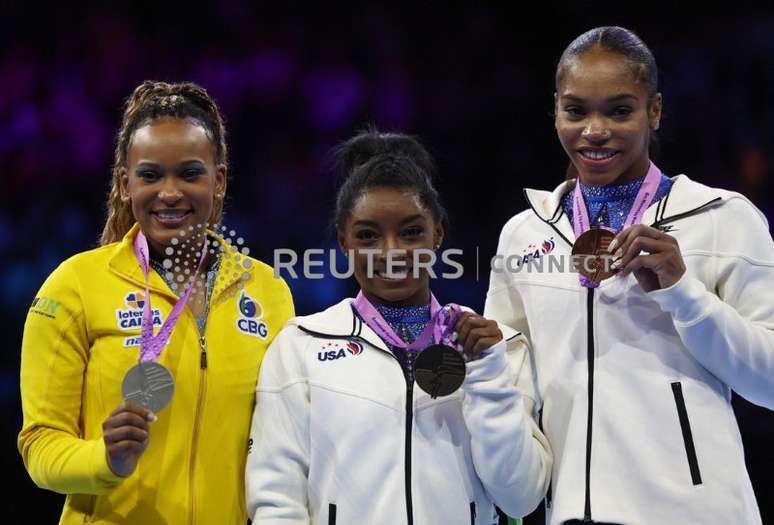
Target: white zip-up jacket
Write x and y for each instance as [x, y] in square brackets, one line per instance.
[636, 387]
[339, 437]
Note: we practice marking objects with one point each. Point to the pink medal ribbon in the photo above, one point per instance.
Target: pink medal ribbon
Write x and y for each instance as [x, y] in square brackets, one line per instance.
[580, 217]
[151, 346]
[438, 330]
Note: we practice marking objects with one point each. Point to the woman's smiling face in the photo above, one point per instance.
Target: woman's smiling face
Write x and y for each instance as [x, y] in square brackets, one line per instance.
[171, 178]
[385, 219]
[604, 117]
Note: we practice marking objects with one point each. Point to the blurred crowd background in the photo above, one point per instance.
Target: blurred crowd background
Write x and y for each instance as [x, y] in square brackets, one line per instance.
[474, 82]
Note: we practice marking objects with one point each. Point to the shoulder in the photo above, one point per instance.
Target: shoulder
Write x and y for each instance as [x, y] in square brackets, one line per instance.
[83, 267]
[726, 202]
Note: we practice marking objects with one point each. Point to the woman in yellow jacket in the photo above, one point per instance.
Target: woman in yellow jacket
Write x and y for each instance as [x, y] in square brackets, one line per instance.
[117, 461]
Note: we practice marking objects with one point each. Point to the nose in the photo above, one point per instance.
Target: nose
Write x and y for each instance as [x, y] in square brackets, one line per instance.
[169, 193]
[391, 242]
[596, 130]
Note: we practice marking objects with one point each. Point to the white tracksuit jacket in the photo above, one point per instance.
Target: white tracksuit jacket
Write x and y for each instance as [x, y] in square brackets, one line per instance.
[338, 437]
[636, 386]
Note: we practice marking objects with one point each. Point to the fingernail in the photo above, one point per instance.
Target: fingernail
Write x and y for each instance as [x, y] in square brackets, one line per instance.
[612, 246]
[151, 417]
[616, 264]
[618, 254]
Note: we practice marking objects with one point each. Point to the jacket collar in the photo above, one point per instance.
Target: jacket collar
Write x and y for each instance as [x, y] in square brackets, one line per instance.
[124, 263]
[340, 322]
[684, 198]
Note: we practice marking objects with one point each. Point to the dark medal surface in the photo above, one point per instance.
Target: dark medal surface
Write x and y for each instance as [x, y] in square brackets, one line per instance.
[439, 370]
[591, 256]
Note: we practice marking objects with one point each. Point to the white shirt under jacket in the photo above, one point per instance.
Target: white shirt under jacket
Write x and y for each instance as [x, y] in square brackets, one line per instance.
[338, 437]
[658, 443]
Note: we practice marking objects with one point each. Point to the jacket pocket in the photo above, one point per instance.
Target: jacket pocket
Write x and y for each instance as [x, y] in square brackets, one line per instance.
[331, 514]
[685, 427]
[472, 513]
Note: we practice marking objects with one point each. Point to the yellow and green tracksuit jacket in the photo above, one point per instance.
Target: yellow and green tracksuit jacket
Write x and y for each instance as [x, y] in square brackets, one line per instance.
[80, 338]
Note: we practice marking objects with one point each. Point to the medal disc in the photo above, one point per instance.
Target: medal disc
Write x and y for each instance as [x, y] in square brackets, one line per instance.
[439, 370]
[591, 257]
[148, 384]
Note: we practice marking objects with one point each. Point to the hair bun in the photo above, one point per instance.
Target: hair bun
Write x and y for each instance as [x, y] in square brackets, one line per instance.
[371, 144]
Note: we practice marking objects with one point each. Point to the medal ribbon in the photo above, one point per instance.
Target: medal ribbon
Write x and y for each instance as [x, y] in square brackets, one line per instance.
[580, 216]
[438, 330]
[151, 346]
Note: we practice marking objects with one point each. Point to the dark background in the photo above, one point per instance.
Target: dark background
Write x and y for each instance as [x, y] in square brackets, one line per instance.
[475, 83]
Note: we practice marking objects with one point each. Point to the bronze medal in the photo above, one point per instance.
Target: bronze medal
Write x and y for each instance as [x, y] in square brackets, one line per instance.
[590, 254]
[439, 370]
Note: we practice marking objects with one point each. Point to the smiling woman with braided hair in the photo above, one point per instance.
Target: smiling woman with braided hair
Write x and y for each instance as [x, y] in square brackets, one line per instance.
[96, 427]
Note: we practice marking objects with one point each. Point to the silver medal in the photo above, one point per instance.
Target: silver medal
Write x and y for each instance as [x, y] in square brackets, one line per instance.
[148, 384]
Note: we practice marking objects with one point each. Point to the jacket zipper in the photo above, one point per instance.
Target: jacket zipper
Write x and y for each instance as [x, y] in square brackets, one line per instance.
[197, 417]
[590, 409]
[685, 427]
[409, 426]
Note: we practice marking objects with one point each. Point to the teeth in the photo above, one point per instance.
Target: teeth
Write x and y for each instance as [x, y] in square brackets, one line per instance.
[170, 214]
[396, 276]
[597, 155]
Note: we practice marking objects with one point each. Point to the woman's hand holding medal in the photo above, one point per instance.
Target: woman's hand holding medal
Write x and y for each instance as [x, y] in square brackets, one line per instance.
[660, 266]
[126, 432]
[476, 333]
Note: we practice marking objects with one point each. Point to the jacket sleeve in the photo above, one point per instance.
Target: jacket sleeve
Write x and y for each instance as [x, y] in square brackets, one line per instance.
[54, 357]
[512, 457]
[277, 467]
[730, 329]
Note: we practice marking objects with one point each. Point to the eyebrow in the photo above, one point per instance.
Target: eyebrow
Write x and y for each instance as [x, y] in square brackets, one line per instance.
[364, 222]
[184, 164]
[616, 98]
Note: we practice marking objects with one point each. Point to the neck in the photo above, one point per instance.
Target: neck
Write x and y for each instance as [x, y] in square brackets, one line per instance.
[635, 171]
[421, 298]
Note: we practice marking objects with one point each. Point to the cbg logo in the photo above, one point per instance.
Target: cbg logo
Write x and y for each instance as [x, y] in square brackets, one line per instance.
[249, 321]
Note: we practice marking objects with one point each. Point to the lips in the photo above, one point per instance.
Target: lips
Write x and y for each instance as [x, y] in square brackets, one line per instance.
[597, 157]
[398, 274]
[171, 217]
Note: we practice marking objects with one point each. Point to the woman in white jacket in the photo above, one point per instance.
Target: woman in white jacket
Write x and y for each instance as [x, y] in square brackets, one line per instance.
[637, 355]
[340, 434]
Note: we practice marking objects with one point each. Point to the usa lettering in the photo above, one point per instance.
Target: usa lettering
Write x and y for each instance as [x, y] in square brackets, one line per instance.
[331, 355]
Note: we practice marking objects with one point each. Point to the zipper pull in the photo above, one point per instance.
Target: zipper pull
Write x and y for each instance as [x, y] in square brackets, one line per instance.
[203, 356]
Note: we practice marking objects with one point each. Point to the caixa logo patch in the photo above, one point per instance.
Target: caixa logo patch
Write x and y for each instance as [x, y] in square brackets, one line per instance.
[130, 318]
[249, 321]
[333, 351]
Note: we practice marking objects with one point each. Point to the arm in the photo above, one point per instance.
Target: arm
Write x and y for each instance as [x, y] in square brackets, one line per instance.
[55, 353]
[277, 468]
[730, 330]
[511, 455]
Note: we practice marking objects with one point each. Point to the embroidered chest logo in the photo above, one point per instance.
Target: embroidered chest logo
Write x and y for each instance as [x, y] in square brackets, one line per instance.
[249, 320]
[533, 251]
[336, 350]
[130, 318]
